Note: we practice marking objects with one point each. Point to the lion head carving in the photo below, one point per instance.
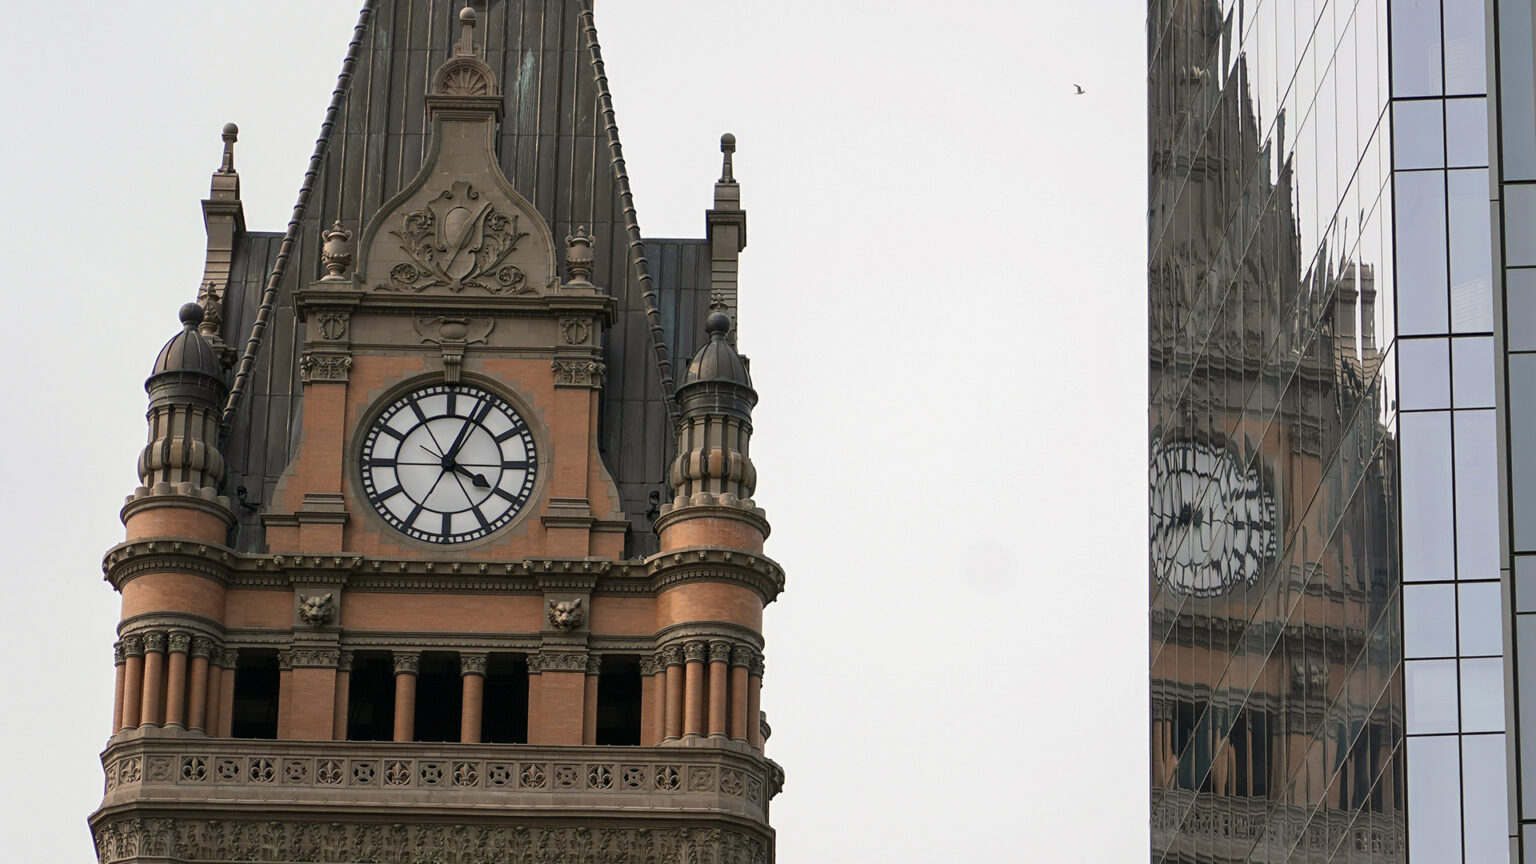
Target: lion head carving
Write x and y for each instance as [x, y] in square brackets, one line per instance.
[566, 614]
[317, 609]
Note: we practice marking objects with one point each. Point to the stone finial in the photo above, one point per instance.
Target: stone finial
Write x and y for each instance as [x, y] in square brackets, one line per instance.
[578, 255]
[727, 147]
[467, 21]
[230, 135]
[336, 254]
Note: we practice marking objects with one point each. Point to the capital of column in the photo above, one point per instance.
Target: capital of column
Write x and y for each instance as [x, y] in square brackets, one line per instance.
[344, 662]
[154, 642]
[594, 664]
[720, 652]
[227, 658]
[407, 664]
[285, 660]
[756, 667]
[671, 655]
[202, 646]
[741, 655]
[696, 651]
[648, 666]
[133, 646]
[179, 643]
[119, 653]
[472, 664]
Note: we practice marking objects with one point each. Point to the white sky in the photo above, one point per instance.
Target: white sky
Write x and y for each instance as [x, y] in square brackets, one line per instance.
[943, 301]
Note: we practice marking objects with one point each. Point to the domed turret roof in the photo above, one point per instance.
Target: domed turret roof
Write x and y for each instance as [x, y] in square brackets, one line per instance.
[717, 360]
[187, 351]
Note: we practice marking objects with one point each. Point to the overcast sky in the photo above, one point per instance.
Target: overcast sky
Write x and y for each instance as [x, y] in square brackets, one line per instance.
[943, 301]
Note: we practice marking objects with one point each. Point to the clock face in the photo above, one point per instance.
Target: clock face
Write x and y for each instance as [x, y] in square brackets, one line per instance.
[1212, 521]
[449, 463]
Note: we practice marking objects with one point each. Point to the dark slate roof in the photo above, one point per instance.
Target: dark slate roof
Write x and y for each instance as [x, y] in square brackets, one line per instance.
[186, 352]
[554, 146]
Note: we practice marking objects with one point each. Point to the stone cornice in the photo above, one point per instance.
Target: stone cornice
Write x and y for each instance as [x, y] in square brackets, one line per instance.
[752, 516]
[218, 506]
[716, 564]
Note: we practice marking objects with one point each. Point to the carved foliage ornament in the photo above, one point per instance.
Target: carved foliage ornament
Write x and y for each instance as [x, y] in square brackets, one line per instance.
[457, 241]
[324, 367]
[578, 373]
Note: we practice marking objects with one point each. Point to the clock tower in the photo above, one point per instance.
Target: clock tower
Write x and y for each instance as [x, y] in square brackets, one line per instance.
[444, 547]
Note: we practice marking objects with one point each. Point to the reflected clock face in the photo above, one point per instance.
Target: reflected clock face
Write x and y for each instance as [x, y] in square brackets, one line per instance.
[449, 463]
[1212, 521]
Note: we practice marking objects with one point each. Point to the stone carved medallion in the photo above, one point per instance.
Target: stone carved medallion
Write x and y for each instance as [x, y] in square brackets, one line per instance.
[459, 240]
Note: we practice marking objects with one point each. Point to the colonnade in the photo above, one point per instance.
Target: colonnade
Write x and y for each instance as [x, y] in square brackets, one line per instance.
[703, 688]
[173, 679]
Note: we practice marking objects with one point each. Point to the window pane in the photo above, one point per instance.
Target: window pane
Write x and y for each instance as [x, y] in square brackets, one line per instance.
[1425, 467]
[1485, 807]
[1430, 688]
[1481, 618]
[1465, 55]
[1466, 133]
[1415, 47]
[1471, 251]
[1520, 225]
[1434, 769]
[1429, 620]
[1417, 134]
[1482, 694]
[1472, 371]
[1423, 374]
[1421, 263]
[1477, 496]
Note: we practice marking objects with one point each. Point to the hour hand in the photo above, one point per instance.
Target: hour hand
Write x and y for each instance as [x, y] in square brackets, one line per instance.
[477, 479]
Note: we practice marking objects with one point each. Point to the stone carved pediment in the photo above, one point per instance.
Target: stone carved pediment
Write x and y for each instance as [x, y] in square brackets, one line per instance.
[459, 229]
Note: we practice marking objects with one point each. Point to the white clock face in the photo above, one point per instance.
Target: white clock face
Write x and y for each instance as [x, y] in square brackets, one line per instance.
[1212, 522]
[449, 463]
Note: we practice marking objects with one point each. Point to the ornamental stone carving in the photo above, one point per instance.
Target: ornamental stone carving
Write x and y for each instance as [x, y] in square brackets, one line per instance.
[154, 642]
[757, 667]
[696, 652]
[672, 655]
[324, 367]
[227, 658]
[594, 664]
[472, 664]
[274, 841]
[317, 609]
[332, 325]
[133, 646]
[557, 661]
[179, 643]
[566, 615]
[576, 330]
[578, 373]
[719, 652]
[407, 664]
[314, 657]
[119, 653]
[344, 662]
[649, 666]
[458, 240]
[336, 255]
[202, 646]
[741, 656]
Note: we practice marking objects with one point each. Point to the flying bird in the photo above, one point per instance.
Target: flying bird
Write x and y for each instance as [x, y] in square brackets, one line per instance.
[1080, 90]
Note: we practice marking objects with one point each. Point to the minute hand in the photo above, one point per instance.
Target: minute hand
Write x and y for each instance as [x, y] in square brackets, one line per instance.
[453, 449]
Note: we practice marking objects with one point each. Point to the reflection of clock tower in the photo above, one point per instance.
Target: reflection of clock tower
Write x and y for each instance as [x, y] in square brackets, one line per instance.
[433, 557]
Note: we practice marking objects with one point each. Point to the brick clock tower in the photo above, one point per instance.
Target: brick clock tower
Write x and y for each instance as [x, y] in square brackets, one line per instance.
[434, 558]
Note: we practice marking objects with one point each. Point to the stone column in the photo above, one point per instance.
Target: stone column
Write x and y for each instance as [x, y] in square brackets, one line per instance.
[719, 662]
[197, 692]
[343, 692]
[229, 662]
[406, 667]
[535, 667]
[285, 693]
[589, 700]
[119, 671]
[133, 681]
[151, 712]
[178, 645]
[651, 705]
[472, 670]
[693, 687]
[672, 658]
[741, 659]
[755, 701]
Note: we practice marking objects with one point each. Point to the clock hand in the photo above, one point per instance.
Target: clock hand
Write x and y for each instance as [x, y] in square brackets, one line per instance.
[477, 479]
[453, 449]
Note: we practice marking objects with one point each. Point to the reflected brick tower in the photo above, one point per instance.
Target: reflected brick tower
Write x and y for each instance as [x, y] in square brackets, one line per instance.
[433, 558]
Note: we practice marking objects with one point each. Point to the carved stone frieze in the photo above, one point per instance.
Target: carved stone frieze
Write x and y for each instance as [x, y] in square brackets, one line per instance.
[578, 373]
[285, 659]
[558, 661]
[344, 662]
[458, 240]
[272, 841]
[314, 657]
[594, 664]
[324, 367]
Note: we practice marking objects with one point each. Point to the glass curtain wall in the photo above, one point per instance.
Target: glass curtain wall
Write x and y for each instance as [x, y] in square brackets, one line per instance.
[1276, 722]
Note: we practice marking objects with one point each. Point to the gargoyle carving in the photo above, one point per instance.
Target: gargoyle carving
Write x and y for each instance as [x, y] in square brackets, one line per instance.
[566, 615]
[317, 610]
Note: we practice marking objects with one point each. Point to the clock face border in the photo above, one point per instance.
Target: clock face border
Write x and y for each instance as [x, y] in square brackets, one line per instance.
[391, 404]
[1245, 492]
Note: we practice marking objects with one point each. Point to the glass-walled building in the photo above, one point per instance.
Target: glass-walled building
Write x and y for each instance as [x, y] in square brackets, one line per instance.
[1327, 640]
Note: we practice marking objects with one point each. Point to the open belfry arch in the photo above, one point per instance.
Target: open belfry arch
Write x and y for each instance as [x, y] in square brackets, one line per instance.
[437, 555]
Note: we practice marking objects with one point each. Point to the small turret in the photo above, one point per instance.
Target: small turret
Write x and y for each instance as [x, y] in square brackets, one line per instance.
[182, 459]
